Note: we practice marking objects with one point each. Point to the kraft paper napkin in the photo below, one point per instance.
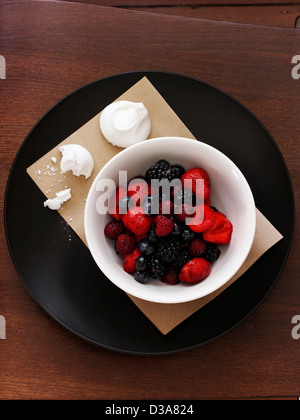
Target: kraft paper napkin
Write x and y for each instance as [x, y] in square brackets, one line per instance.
[46, 174]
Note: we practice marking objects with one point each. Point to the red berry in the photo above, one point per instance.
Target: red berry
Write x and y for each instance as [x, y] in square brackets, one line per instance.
[195, 271]
[221, 231]
[166, 207]
[114, 210]
[137, 221]
[197, 247]
[163, 225]
[114, 228]
[129, 261]
[138, 189]
[125, 244]
[182, 211]
[201, 190]
[171, 276]
[203, 220]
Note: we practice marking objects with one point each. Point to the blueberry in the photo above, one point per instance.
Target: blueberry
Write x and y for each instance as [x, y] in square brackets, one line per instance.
[187, 235]
[151, 205]
[152, 238]
[146, 248]
[123, 203]
[176, 230]
[141, 263]
[141, 277]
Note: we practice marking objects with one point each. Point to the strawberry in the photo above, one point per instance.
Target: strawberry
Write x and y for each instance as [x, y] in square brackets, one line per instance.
[130, 260]
[113, 204]
[138, 187]
[182, 211]
[137, 221]
[163, 225]
[114, 228]
[201, 190]
[221, 231]
[203, 220]
[197, 247]
[195, 270]
[125, 244]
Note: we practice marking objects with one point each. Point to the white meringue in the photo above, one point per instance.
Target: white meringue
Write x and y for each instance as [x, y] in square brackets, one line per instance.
[77, 159]
[61, 197]
[124, 123]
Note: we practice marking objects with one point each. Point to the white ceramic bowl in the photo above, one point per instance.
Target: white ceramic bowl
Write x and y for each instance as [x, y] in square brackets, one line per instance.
[230, 193]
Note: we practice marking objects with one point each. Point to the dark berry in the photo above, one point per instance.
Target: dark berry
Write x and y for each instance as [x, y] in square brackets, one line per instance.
[125, 244]
[152, 238]
[141, 277]
[175, 171]
[187, 234]
[141, 263]
[151, 205]
[171, 276]
[183, 256]
[211, 252]
[177, 229]
[155, 268]
[167, 250]
[157, 171]
[114, 228]
[123, 204]
[146, 248]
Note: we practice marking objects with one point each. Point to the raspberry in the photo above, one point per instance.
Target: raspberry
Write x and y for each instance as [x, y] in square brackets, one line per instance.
[171, 276]
[195, 271]
[197, 247]
[114, 228]
[163, 225]
[125, 244]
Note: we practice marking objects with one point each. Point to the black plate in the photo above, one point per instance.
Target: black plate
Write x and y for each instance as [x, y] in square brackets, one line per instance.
[61, 275]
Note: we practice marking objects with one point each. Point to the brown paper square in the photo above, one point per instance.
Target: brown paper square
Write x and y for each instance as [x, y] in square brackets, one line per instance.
[46, 174]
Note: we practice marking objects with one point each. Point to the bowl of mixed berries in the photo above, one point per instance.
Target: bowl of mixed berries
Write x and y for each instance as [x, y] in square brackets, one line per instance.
[170, 220]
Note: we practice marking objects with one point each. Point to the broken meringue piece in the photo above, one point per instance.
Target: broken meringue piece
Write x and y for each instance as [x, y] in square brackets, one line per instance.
[61, 197]
[77, 159]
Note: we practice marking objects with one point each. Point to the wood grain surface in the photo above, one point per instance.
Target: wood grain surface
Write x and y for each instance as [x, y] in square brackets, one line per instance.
[53, 48]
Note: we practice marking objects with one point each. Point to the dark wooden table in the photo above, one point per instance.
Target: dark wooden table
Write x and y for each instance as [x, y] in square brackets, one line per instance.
[53, 48]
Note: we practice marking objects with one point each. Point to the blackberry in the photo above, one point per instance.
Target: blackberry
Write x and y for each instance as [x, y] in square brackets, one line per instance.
[175, 171]
[211, 252]
[155, 268]
[157, 171]
[167, 250]
[187, 234]
[183, 256]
